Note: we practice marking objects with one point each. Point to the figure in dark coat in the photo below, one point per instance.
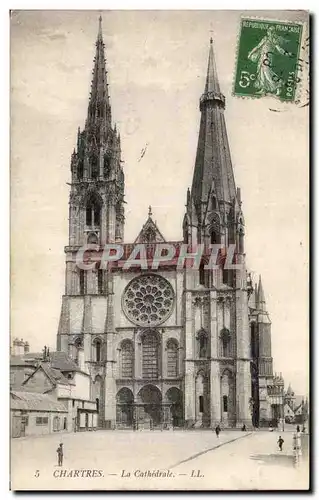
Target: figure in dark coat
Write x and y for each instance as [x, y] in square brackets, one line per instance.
[280, 443]
[60, 454]
[217, 430]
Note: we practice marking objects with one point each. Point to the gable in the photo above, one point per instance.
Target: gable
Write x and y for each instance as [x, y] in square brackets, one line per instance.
[38, 382]
[150, 233]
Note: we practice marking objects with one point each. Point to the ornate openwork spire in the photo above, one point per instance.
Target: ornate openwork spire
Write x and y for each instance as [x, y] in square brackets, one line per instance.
[99, 103]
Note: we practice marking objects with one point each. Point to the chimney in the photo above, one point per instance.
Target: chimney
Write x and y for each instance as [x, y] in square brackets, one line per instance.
[20, 347]
[15, 347]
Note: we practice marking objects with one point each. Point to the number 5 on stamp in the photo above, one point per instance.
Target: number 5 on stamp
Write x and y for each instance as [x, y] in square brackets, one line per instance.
[268, 59]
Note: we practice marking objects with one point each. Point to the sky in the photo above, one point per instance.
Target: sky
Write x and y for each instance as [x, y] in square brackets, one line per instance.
[157, 63]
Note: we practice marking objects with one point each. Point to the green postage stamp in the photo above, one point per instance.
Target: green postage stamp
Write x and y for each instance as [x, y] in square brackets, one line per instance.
[268, 59]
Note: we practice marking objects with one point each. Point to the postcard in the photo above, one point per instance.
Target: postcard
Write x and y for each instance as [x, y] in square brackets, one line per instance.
[159, 250]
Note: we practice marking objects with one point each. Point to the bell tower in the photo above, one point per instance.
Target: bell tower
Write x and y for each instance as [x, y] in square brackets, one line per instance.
[96, 217]
[97, 183]
[214, 216]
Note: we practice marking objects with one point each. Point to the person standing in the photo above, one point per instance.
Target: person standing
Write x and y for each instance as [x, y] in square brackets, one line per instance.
[217, 430]
[60, 454]
[280, 443]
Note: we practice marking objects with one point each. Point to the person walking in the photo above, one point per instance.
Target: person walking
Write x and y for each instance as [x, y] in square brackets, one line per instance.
[280, 443]
[60, 454]
[217, 430]
[298, 428]
[243, 428]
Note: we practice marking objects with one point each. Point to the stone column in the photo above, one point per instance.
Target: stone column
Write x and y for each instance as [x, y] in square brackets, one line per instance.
[189, 383]
[103, 225]
[111, 220]
[110, 397]
[243, 379]
[110, 384]
[215, 410]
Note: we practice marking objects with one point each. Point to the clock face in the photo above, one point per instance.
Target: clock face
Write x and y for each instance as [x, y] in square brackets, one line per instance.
[148, 300]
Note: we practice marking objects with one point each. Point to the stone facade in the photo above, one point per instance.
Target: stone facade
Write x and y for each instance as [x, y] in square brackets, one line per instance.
[170, 346]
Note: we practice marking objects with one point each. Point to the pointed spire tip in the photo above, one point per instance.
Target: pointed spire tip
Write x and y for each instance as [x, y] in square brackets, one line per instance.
[100, 27]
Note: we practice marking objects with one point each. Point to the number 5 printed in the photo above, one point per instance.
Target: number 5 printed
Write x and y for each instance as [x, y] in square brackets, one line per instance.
[245, 79]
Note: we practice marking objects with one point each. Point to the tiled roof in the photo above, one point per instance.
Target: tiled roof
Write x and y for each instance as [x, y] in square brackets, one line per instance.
[35, 401]
[58, 359]
[20, 361]
[61, 361]
[56, 376]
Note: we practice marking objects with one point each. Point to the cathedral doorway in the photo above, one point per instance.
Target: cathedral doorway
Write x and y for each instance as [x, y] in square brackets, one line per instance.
[174, 397]
[149, 401]
[124, 407]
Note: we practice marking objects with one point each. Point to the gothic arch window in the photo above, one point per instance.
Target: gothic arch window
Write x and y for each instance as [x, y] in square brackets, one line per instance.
[93, 211]
[227, 394]
[200, 392]
[80, 169]
[95, 166]
[172, 358]
[78, 342]
[127, 359]
[202, 344]
[97, 350]
[215, 228]
[106, 164]
[225, 341]
[214, 237]
[92, 239]
[77, 345]
[225, 403]
[150, 356]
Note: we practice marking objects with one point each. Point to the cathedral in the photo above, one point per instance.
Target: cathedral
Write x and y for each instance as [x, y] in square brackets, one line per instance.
[166, 347]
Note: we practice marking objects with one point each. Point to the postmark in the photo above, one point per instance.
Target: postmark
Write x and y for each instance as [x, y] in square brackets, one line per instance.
[268, 59]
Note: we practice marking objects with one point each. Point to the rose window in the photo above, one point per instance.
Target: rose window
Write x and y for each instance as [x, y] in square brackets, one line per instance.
[148, 300]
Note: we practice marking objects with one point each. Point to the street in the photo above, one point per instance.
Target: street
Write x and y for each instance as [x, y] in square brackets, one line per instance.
[167, 460]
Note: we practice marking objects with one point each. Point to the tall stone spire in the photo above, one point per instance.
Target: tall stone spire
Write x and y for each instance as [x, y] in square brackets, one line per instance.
[212, 83]
[99, 103]
[96, 164]
[213, 167]
[261, 302]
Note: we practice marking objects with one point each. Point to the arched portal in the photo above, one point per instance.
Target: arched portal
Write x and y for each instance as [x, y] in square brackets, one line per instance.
[150, 399]
[124, 407]
[174, 397]
[227, 391]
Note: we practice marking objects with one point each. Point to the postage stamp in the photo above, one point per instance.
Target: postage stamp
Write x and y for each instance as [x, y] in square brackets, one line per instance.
[268, 59]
